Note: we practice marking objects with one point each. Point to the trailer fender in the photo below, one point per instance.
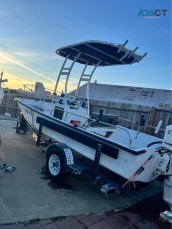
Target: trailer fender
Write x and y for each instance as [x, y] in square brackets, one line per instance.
[58, 159]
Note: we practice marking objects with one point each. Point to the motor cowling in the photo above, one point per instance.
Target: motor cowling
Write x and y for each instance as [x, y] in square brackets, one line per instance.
[167, 141]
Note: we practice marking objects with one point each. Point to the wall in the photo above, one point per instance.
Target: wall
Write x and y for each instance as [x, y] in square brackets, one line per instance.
[130, 114]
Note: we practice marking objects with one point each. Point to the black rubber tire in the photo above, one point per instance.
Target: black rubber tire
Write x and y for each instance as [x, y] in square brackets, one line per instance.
[21, 124]
[61, 176]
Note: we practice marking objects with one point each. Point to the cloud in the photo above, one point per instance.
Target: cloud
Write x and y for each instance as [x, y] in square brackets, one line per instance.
[13, 46]
[3, 62]
[12, 76]
[11, 60]
[6, 42]
[15, 82]
[36, 55]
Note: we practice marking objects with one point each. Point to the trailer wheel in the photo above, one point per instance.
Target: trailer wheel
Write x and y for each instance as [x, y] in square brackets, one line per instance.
[21, 124]
[55, 165]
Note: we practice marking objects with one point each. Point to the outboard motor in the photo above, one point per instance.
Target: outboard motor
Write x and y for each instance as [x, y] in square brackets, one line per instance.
[167, 141]
[167, 192]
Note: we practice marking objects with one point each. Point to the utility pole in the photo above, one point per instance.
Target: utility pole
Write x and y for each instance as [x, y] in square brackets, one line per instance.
[1, 80]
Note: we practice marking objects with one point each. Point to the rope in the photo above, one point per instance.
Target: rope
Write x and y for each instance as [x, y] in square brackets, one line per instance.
[132, 178]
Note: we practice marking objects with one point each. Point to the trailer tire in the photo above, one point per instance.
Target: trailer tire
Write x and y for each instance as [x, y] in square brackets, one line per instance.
[56, 165]
[21, 124]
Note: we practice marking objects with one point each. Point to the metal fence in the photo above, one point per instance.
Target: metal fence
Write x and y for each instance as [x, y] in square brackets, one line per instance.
[9, 105]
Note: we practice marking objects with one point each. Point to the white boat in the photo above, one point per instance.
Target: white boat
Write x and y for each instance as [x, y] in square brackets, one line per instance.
[1, 89]
[129, 154]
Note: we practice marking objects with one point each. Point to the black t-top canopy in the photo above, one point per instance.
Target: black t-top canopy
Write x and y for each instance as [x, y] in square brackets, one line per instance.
[100, 53]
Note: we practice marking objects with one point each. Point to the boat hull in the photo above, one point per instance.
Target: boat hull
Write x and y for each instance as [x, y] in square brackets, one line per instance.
[116, 158]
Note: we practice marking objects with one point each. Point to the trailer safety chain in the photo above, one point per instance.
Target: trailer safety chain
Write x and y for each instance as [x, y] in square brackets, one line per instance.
[132, 178]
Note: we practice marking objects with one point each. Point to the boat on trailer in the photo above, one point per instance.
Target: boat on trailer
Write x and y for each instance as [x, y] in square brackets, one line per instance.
[131, 155]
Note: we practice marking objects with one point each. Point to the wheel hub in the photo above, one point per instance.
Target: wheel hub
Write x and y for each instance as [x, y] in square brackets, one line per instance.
[54, 164]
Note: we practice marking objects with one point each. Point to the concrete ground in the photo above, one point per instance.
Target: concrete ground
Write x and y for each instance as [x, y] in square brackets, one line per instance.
[26, 196]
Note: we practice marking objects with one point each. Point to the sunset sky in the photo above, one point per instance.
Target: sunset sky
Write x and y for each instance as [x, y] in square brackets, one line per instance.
[31, 31]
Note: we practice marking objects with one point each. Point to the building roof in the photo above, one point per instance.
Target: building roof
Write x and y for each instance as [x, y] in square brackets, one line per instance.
[127, 94]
